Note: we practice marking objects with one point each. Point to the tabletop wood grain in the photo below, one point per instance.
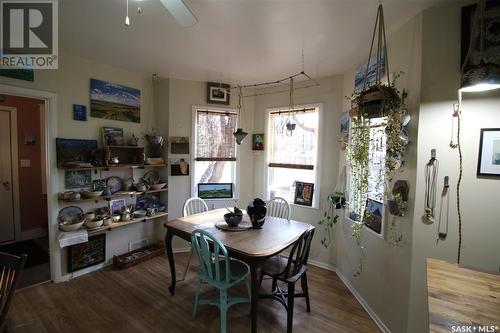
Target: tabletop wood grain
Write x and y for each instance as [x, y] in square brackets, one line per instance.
[460, 296]
[276, 234]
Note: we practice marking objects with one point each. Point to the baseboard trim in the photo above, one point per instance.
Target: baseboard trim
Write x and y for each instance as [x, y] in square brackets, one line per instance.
[181, 249]
[323, 265]
[363, 303]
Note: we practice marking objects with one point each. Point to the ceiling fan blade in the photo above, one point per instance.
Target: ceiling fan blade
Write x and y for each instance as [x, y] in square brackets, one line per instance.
[180, 12]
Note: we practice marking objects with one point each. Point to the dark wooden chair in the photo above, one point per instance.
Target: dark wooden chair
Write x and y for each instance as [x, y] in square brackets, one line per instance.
[10, 269]
[289, 271]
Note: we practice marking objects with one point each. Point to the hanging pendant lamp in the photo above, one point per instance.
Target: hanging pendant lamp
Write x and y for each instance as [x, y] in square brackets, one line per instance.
[240, 134]
[479, 71]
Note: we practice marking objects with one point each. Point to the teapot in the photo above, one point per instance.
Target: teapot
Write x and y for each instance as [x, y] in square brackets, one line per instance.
[126, 213]
[257, 212]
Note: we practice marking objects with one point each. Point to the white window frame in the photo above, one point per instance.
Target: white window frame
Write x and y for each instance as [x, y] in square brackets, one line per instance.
[382, 234]
[236, 168]
[319, 152]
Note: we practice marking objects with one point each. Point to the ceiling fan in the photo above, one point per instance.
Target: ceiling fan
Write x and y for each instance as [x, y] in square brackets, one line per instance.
[180, 12]
[177, 8]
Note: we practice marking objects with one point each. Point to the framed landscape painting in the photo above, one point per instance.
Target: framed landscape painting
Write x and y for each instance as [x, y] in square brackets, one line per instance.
[114, 101]
[215, 191]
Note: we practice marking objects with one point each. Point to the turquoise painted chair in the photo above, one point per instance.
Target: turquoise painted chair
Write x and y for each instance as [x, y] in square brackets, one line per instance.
[218, 270]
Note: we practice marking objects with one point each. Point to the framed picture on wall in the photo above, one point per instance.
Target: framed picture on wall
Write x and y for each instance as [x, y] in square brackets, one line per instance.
[215, 190]
[218, 93]
[489, 152]
[257, 141]
[373, 215]
[87, 254]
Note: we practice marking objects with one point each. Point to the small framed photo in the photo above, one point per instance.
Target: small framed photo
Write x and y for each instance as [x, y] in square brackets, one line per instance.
[303, 194]
[373, 215]
[79, 112]
[115, 206]
[218, 93]
[179, 145]
[257, 141]
[489, 152]
[112, 136]
[179, 167]
[215, 190]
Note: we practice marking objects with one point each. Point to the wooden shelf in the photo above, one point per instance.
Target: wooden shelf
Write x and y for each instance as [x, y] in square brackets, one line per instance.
[117, 166]
[123, 224]
[114, 196]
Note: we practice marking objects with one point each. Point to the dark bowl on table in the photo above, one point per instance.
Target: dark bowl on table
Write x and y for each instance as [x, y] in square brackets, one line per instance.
[232, 219]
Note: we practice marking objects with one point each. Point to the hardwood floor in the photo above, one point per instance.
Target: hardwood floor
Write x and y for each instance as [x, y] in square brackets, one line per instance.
[137, 300]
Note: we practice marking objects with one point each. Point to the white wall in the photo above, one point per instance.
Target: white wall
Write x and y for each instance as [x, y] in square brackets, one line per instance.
[479, 196]
[330, 94]
[384, 282]
[71, 83]
[183, 94]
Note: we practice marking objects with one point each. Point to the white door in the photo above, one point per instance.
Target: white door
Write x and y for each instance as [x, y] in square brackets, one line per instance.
[7, 226]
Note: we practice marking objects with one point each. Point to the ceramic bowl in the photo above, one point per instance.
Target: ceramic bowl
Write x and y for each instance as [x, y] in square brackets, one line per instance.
[156, 187]
[92, 224]
[232, 219]
[70, 225]
[116, 217]
[140, 213]
[107, 221]
[91, 194]
[65, 195]
[89, 216]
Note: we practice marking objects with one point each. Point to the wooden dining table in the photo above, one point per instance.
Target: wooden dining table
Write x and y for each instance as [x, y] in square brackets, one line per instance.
[252, 246]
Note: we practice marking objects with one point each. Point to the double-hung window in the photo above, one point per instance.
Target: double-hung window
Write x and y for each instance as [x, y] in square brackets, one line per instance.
[366, 203]
[293, 153]
[215, 150]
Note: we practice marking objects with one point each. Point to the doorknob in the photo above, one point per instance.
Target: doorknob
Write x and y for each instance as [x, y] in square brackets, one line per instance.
[6, 185]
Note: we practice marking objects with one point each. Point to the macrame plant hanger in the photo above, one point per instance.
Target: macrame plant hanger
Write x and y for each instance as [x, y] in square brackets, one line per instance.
[290, 127]
[381, 47]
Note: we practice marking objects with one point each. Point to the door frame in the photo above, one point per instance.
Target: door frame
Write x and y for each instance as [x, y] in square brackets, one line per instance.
[15, 170]
[51, 174]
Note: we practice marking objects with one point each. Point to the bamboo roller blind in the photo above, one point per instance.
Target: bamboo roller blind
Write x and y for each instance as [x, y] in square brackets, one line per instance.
[295, 150]
[214, 136]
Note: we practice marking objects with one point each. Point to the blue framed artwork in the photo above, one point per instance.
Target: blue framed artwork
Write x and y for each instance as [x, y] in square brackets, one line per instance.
[79, 112]
[372, 72]
[114, 101]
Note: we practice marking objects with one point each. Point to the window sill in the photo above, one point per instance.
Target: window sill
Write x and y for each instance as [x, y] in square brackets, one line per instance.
[222, 199]
[301, 206]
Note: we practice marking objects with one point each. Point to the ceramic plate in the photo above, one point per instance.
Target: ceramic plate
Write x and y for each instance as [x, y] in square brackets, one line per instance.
[115, 184]
[70, 213]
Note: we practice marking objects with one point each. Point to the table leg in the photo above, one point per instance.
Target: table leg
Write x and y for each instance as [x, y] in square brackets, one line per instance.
[170, 256]
[254, 270]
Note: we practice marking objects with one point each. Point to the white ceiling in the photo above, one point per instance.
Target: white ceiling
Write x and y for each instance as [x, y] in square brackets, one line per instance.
[238, 41]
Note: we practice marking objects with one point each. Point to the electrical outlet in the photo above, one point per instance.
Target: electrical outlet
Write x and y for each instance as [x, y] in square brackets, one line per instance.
[137, 244]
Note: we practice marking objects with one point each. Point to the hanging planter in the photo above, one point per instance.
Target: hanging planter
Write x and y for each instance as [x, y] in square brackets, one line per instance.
[376, 100]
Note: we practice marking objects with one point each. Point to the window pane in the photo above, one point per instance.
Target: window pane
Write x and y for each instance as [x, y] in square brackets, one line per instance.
[214, 171]
[376, 171]
[281, 181]
[297, 147]
[214, 135]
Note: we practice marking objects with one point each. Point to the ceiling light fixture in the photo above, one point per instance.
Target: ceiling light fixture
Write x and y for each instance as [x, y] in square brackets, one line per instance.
[479, 70]
[477, 74]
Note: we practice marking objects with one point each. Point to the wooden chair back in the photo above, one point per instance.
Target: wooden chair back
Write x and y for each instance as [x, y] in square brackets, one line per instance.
[193, 206]
[299, 255]
[279, 207]
[10, 269]
[212, 254]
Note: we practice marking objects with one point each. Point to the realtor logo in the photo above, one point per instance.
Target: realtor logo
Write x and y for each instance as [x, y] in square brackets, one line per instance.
[29, 34]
